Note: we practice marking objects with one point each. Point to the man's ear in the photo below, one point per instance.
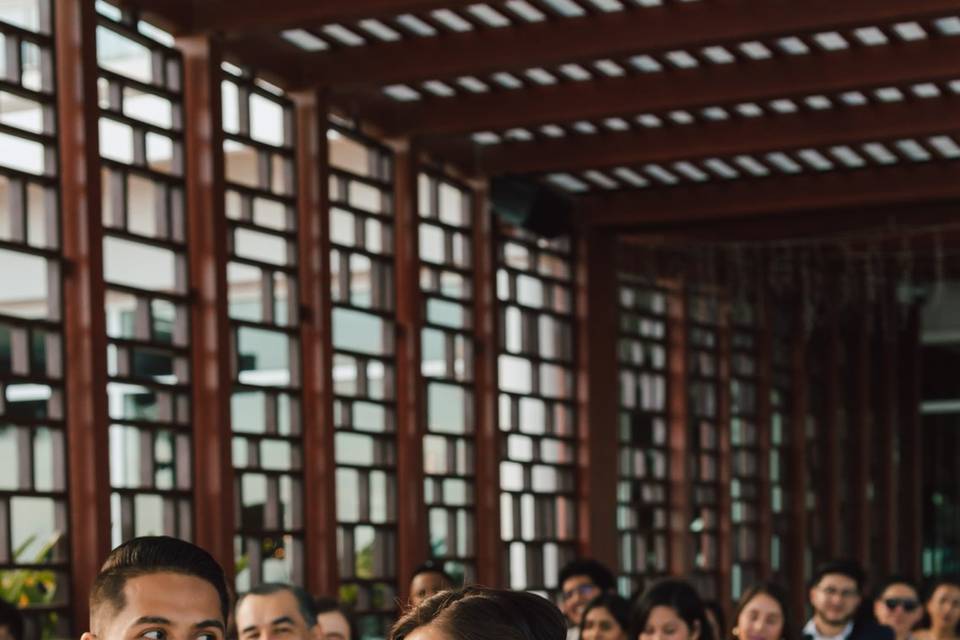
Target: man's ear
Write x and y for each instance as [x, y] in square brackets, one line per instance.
[88, 635]
[316, 631]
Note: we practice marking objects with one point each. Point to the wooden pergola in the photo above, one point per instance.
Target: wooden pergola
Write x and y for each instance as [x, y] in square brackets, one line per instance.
[663, 121]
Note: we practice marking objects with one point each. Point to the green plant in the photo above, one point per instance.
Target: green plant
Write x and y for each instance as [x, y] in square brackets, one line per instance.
[33, 587]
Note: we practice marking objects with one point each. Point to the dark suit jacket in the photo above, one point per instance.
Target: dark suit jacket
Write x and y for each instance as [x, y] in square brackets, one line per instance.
[865, 630]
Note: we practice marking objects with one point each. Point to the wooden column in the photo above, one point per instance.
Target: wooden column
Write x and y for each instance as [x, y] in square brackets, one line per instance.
[490, 560]
[888, 435]
[210, 330]
[597, 390]
[863, 428]
[829, 501]
[725, 456]
[316, 343]
[84, 314]
[764, 333]
[411, 510]
[680, 499]
[912, 443]
[797, 543]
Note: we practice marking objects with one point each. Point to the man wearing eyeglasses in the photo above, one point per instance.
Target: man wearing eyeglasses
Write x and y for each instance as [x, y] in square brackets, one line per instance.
[580, 582]
[835, 594]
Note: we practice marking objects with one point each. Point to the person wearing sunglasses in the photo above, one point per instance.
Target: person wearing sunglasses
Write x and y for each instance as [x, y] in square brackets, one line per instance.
[835, 597]
[580, 582]
[897, 605]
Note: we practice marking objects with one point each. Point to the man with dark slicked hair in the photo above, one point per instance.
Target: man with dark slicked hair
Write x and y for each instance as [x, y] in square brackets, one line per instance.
[276, 610]
[158, 588]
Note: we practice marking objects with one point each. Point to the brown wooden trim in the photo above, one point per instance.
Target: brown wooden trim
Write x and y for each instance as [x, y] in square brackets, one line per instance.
[210, 339]
[597, 387]
[765, 337]
[680, 499]
[411, 511]
[912, 449]
[905, 185]
[880, 123]
[490, 560]
[798, 542]
[320, 517]
[780, 77]
[85, 355]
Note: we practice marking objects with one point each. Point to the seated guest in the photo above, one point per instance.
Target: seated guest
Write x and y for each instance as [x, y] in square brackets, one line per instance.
[11, 622]
[275, 610]
[715, 617]
[428, 579]
[606, 617]
[669, 609]
[943, 611]
[580, 582]
[158, 587]
[835, 596]
[896, 604]
[762, 614]
[336, 623]
[477, 613]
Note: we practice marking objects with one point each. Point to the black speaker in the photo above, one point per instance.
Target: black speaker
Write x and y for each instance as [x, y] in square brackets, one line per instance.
[531, 205]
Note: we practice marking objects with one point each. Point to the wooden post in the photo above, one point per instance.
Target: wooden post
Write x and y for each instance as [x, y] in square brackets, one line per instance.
[411, 510]
[598, 402]
[83, 298]
[490, 559]
[210, 338]
[680, 504]
[912, 453]
[316, 344]
[724, 453]
[862, 425]
[830, 439]
[764, 333]
[798, 540]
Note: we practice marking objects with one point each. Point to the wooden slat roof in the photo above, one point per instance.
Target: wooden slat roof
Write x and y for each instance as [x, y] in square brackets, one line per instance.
[634, 107]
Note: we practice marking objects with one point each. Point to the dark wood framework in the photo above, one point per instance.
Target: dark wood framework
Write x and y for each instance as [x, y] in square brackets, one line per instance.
[353, 231]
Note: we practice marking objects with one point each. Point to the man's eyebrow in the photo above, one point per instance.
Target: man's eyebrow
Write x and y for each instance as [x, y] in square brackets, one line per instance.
[282, 620]
[152, 620]
[206, 624]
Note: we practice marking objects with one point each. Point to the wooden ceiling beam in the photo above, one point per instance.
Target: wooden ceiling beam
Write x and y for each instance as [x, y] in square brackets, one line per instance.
[794, 76]
[887, 186]
[842, 125]
[615, 35]
[235, 17]
[174, 16]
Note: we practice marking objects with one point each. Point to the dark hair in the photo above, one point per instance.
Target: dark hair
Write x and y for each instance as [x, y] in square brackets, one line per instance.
[12, 619]
[849, 568]
[589, 567]
[928, 591]
[304, 601]
[677, 594]
[776, 592]
[889, 581]
[478, 613]
[712, 606]
[326, 604]
[618, 607]
[154, 554]
[432, 566]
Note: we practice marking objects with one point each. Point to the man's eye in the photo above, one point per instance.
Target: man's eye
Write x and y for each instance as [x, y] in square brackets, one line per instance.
[207, 636]
[154, 634]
